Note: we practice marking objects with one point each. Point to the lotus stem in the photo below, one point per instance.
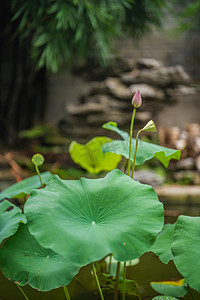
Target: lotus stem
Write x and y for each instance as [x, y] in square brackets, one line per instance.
[116, 287]
[110, 261]
[66, 293]
[38, 172]
[131, 134]
[124, 282]
[136, 147]
[97, 281]
[23, 293]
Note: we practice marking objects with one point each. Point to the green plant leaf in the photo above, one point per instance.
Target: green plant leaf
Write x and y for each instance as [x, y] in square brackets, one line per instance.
[24, 260]
[37, 159]
[164, 298]
[91, 157]
[163, 242]
[172, 288]
[146, 151]
[10, 216]
[20, 189]
[113, 127]
[186, 249]
[94, 217]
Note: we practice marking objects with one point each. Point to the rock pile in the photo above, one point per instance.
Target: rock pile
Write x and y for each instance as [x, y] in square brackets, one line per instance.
[187, 170]
[109, 99]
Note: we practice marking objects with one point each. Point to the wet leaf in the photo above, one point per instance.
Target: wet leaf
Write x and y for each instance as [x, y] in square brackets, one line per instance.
[91, 157]
[24, 260]
[10, 217]
[185, 249]
[164, 298]
[90, 218]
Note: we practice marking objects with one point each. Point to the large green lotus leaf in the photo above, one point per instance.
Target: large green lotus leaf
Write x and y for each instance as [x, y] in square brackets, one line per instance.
[145, 151]
[163, 242]
[24, 260]
[164, 298]
[25, 186]
[172, 288]
[186, 249]
[91, 157]
[10, 216]
[90, 218]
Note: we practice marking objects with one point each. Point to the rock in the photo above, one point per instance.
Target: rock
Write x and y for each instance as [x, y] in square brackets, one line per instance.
[109, 102]
[118, 89]
[95, 87]
[181, 90]
[144, 117]
[148, 177]
[85, 109]
[149, 63]
[115, 116]
[147, 91]
[185, 164]
[161, 77]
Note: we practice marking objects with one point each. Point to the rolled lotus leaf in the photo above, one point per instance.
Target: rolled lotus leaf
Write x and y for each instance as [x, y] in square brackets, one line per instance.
[186, 249]
[90, 218]
[10, 217]
[163, 243]
[91, 157]
[25, 261]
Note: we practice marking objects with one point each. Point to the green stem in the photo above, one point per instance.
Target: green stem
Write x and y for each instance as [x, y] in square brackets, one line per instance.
[66, 293]
[23, 293]
[190, 292]
[116, 287]
[136, 147]
[131, 134]
[124, 282]
[97, 281]
[38, 172]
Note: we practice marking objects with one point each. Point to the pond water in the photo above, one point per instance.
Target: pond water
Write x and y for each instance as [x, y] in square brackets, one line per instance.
[84, 287]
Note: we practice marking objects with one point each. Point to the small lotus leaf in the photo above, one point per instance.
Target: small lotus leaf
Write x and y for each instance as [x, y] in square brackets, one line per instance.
[91, 157]
[37, 159]
[164, 298]
[90, 218]
[25, 186]
[146, 151]
[10, 216]
[186, 249]
[113, 127]
[163, 242]
[24, 260]
[172, 288]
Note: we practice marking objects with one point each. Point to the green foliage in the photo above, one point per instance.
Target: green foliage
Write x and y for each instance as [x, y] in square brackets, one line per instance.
[163, 242]
[145, 151]
[11, 216]
[91, 157]
[185, 249]
[60, 31]
[171, 288]
[24, 187]
[90, 218]
[187, 14]
[164, 298]
[31, 263]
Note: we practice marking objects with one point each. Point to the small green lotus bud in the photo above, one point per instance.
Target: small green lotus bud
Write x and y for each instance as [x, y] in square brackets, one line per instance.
[37, 159]
[137, 100]
[149, 127]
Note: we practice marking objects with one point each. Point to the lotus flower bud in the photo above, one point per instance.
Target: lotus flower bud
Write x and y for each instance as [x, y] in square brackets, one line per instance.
[137, 100]
[149, 127]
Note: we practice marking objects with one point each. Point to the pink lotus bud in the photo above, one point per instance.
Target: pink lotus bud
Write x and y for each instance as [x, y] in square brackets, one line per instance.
[137, 99]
